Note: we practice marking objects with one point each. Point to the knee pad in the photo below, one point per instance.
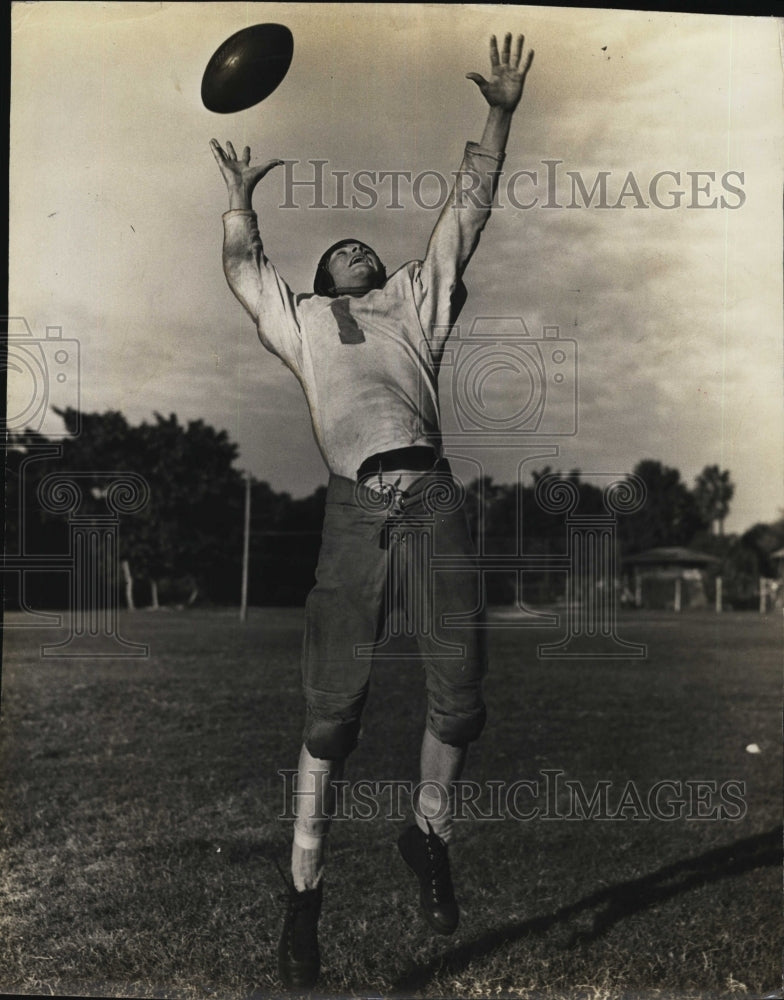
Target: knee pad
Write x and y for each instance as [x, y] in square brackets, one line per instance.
[329, 739]
[458, 731]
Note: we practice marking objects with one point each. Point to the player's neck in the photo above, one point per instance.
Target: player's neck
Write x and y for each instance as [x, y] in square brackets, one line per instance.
[356, 292]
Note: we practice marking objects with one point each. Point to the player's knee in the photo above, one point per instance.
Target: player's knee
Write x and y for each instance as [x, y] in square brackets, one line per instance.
[328, 739]
[458, 731]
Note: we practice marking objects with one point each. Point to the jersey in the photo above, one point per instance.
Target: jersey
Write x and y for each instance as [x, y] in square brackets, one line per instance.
[369, 364]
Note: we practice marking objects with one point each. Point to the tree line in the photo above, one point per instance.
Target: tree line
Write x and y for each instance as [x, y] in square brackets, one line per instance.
[185, 546]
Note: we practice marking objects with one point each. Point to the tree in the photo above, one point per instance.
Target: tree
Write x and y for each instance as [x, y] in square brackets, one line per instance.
[764, 540]
[189, 536]
[31, 530]
[192, 526]
[514, 518]
[670, 515]
[491, 511]
[713, 492]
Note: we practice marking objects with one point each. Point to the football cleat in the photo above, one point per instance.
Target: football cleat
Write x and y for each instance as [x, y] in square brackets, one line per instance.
[299, 961]
[427, 856]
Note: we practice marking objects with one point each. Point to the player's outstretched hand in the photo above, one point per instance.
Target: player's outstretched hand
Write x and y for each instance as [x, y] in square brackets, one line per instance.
[237, 172]
[508, 72]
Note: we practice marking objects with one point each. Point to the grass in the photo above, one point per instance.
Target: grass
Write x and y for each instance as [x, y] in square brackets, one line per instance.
[140, 827]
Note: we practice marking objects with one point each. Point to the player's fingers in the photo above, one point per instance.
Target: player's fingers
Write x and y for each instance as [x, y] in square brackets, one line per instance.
[265, 168]
[230, 150]
[478, 79]
[507, 47]
[246, 155]
[528, 62]
[519, 50]
[493, 51]
[217, 152]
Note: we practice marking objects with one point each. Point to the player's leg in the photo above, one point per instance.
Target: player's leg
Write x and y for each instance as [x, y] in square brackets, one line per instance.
[425, 846]
[440, 766]
[456, 711]
[299, 960]
[342, 612]
[313, 808]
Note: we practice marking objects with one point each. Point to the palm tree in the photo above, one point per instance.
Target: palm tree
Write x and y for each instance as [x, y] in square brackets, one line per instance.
[713, 491]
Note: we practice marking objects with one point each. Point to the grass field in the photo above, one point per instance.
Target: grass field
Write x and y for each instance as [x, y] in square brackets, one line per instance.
[140, 804]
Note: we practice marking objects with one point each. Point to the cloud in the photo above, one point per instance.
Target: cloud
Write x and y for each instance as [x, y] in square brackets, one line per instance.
[116, 204]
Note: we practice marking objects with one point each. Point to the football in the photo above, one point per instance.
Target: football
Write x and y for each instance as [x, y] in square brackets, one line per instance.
[246, 68]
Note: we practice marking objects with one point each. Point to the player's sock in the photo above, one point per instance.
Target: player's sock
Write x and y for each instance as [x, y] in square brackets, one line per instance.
[307, 860]
[434, 811]
[314, 806]
[440, 765]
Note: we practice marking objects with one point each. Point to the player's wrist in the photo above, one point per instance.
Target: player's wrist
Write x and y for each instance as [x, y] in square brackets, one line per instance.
[501, 113]
[497, 128]
[240, 197]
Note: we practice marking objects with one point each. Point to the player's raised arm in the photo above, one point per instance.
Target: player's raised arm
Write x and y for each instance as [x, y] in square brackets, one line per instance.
[504, 89]
[240, 177]
[251, 276]
[467, 210]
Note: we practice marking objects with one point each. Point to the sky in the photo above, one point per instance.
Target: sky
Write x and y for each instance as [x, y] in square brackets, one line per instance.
[666, 290]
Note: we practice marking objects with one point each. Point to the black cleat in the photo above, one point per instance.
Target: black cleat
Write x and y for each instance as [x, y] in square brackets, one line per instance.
[428, 858]
[299, 961]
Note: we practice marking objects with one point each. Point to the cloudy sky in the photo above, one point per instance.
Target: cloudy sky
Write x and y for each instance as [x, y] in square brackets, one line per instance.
[667, 289]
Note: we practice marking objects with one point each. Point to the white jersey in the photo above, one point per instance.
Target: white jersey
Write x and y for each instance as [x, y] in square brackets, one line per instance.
[369, 364]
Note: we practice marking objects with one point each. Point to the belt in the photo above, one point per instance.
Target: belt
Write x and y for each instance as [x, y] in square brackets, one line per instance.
[418, 458]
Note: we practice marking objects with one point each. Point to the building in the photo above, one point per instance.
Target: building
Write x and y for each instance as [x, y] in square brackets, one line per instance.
[673, 578]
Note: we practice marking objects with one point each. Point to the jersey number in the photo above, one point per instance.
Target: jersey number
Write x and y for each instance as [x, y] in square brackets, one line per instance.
[348, 328]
